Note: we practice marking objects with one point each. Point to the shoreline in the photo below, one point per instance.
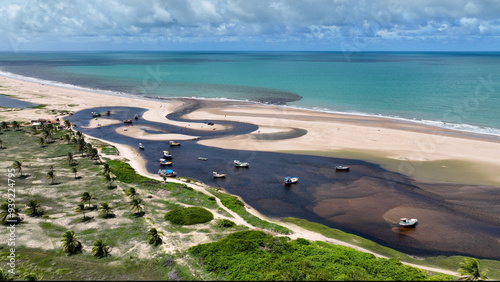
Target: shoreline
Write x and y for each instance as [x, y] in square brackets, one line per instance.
[409, 148]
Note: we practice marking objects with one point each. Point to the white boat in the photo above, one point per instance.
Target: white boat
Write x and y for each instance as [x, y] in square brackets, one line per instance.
[237, 163]
[173, 143]
[165, 162]
[167, 172]
[405, 222]
[202, 158]
[290, 179]
[166, 154]
[218, 175]
[141, 146]
[342, 168]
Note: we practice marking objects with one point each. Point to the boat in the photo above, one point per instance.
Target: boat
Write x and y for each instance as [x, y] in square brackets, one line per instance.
[96, 114]
[127, 121]
[166, 172]
[290, 179]
[202, 158]
[342, 168]
[405, 222]
[165, 162]
[136, 117]
[141, 146]
[173, 143]
[166, 154]
[218, 175]
[240, 164]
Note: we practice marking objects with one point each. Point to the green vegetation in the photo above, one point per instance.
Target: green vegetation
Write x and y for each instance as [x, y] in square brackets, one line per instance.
[41, 106]
[232, 203]
[255, 255]
[125, 173]
[189, 216]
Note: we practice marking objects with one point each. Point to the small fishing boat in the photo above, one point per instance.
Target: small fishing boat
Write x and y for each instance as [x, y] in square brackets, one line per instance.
[141, 146]
[342, 168]
[173, 143]
[166, 154]
[405, 222]
[237, 163]
[165, 162]
[96, 114]
[167, 172]
[202, 158]
[136, 117]
[218, 175]
[127, 121]
[290, 179]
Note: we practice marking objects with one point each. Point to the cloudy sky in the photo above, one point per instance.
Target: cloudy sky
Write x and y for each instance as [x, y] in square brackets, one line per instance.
[330, 25]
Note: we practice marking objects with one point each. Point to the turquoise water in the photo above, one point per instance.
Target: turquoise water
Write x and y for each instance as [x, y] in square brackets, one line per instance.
[453, 90]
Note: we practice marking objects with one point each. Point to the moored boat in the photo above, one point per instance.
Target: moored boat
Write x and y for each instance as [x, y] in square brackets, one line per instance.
[165, 162]
[173, 143]
[136, 116]
[238, 163]
[218, 175]
[342, 168]
[141, 146]
[405, 222]
[202, 158]
[127, 121]
[290, 179]
[167, 172]
[96, 114]
[166, 154]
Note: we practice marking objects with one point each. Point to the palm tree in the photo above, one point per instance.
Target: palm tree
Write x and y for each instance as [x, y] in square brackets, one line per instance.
[106, 169]
[33, 208]
[47, 134]
[67, 124]
[74, 170]
[154, 238]
[100, 249]
[87, 197]
[3, 125]
[67, 138]
[470, 270]
[131, 192]
[81, 208]
[18, 165]
[94, 154]
[51, 175]
[106, 208]
[70, 243]
[80, 145]
[136, 206]
[70, 158]
[1, 144]
[15, 125]
[41, 141]
[34, 129]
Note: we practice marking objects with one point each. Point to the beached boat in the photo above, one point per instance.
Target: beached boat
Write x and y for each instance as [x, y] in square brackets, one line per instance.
[167, 172]
[405, 222]
[290, 179]
[136, 116]
[165, 162]
[342, 168]
[173, 143]
[237, 163]
[218, 175]
[202, 158]
[127, 121]
[96, 114]
[141, 146]
[166, 154]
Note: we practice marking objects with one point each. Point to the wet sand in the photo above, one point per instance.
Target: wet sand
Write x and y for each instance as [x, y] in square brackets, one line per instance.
[454, 219]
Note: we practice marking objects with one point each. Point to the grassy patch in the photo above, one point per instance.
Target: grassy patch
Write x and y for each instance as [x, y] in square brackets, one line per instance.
[41, 106]
[189, 216]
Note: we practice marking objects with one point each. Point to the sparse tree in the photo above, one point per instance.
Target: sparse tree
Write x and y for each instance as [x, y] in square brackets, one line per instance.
[47, 134]
[106, 208]
[471, 270]
[106, 169]
[86, 196]
[33, 208]
[131, 193]
[136, 206]
[67, 137]
[41, 141]
[51, 175]
[154, 238]
[80, 208]
[67, 124]
[70, 158]
[4, 125]
[100, 249]
[70, 243]
[15, 125]
[18, 165]
[74, 170]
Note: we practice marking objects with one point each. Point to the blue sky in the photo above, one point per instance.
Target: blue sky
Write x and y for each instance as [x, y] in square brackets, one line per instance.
[276, 25]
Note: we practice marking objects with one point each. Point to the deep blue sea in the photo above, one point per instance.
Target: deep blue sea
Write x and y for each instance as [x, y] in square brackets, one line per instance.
[446, 89]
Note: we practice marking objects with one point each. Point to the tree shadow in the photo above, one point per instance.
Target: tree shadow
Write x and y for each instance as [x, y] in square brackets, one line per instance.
[24, 176]
[138, 214]
[86, 219]
[110, 215]
[55, 183]
[78, 177]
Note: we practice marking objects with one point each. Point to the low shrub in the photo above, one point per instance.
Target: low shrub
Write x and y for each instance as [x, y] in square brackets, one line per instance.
[189, 216]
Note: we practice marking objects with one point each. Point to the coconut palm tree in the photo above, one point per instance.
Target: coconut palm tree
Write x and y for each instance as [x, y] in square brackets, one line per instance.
[74, 170]
[100, 249]
[51, 175]
[94, 154]
[471, 271]
[154, 238]
[70, 243]
[18, 165]
[132, 193]
[1, 144]
[47, 134]
[4, 125]
[67, 124]
[80, 208]
[70, 158]
[41, 141]
[33, 208]
[15, 125]
[67, 137]
[87, 197]
[136, 206]
[11, 213]
[106, 208]
[80, 145]
[106, 169]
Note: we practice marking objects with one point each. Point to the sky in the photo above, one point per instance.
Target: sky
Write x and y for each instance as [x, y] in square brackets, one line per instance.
[250, 25]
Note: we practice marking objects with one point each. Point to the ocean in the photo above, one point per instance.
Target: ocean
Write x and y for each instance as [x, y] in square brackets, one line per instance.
[456, 90]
